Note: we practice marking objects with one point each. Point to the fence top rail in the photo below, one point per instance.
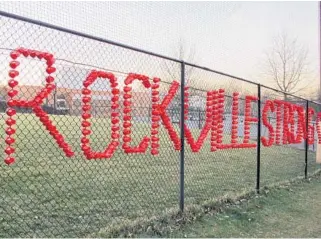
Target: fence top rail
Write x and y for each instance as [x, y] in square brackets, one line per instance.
[100, 39]
[221, 73]
[81, 34]
[282, 92]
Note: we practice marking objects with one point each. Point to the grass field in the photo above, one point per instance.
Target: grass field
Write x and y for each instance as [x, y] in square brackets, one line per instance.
[45, 194]
[292, 211]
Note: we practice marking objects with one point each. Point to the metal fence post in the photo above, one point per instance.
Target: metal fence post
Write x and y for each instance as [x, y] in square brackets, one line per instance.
[306, 139]
[258, 147]
[181, 201]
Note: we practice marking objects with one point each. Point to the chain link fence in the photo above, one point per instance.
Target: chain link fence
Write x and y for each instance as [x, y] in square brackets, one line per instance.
[47, 194]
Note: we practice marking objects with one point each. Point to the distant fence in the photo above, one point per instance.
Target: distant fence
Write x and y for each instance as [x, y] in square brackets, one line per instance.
[92, 136]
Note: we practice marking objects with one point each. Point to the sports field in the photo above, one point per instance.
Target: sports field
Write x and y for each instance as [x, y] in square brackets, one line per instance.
[46, 194]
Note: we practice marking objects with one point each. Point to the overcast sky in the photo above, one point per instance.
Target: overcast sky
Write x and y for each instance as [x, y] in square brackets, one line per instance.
[226, 36]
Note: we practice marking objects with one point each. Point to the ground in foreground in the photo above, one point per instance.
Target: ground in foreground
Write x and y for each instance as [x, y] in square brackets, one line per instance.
[290, 211]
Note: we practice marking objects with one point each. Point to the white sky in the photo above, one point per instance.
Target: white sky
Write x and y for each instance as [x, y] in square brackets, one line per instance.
[226, 36]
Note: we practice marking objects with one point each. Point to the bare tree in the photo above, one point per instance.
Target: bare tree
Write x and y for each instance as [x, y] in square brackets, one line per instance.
[183, 53]
[287, 65]
[173, 70]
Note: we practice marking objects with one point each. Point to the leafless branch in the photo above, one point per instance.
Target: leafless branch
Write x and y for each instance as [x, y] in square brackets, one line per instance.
[287, 65]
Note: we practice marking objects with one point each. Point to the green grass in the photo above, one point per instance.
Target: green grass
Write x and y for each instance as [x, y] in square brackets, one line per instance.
[291, 211]
[46, 194]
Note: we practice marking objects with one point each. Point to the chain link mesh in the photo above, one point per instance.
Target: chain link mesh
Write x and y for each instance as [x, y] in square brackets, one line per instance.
[45, 194]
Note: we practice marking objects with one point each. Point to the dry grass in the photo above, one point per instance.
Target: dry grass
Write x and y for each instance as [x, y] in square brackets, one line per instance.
[47, 195]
